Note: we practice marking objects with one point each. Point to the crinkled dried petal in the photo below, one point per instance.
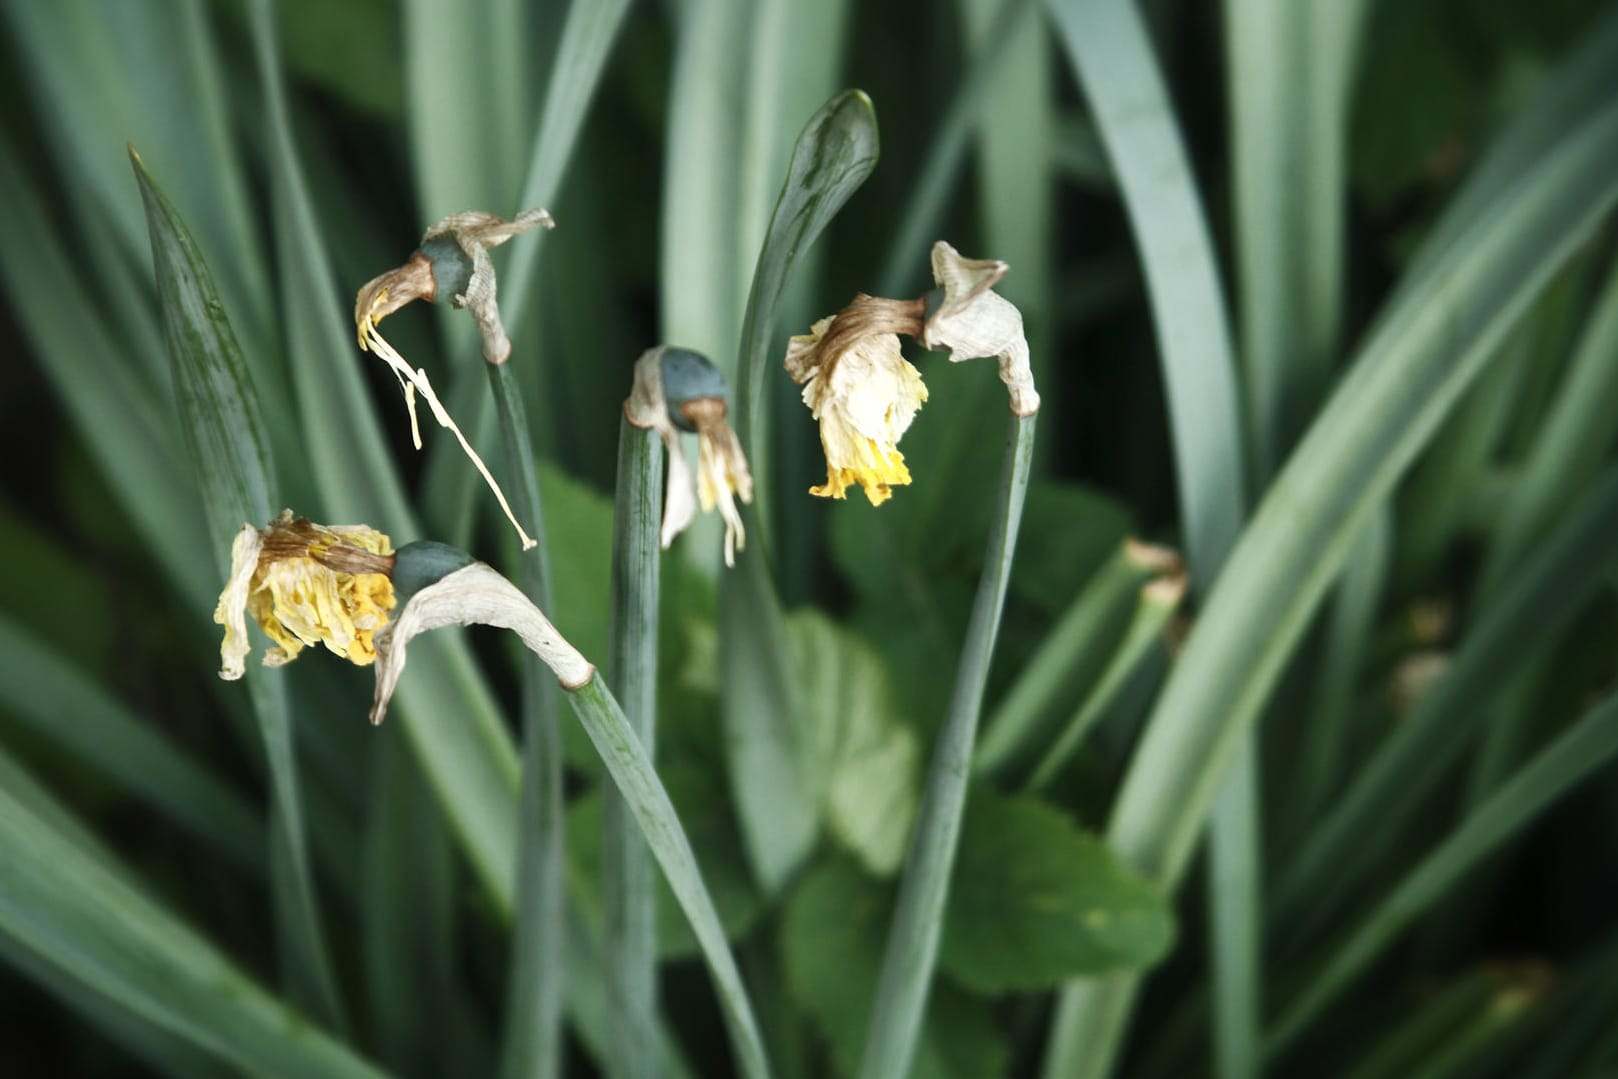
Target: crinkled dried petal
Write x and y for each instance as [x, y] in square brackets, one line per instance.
[648, 409]
[865, 398]
[475, 232]
[473, 595]
[231, 611]
[722, 471]
[973, 322]
[414, 380]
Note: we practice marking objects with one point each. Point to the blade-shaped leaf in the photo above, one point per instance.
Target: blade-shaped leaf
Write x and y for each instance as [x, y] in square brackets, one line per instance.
[90, 926]
[224, 431]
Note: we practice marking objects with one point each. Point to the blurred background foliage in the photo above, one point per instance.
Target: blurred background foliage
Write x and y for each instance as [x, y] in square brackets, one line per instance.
[404, 111]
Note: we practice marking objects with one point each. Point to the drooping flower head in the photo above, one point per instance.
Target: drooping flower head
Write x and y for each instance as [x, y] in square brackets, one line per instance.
[858, 384]
[305, 584]
[453, 261]
[973, 321]
[676, 390]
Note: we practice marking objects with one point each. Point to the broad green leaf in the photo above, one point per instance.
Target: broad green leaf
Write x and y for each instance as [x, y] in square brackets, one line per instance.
[832, 946]
[863, 759]
[1034, 901]
[219, 411]
[1289, 131]
[87, 923]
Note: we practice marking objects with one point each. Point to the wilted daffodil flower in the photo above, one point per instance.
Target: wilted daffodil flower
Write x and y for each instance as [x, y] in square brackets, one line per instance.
[452, 261]
[972, 321]
[858, 384]
[305, 584]
[456, 591]
[678, 390]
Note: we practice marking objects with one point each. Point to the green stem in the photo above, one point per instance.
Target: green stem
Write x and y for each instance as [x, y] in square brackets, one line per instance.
[533, 1037]
[626, 871]
[1066, 660]
[631, 770]
[1151, 615]
[912, 949]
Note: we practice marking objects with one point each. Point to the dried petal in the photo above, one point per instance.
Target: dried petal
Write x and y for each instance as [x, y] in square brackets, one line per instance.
[973, 321]
[865, 395]
[473, 595]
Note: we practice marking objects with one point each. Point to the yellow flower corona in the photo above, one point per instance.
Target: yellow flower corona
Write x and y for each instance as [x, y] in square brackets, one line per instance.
[865, 395]
[305, 584]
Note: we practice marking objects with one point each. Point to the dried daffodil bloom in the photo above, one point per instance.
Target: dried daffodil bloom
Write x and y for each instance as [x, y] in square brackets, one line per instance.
[304, 584]
[858, 384]
[973, 321]
[453, 261]
[677, 390]
[473, 594]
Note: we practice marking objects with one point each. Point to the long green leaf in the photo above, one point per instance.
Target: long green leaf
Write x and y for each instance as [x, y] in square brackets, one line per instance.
[1112, 56]
[224, 431]
[1426, 349]
[626, 879]
[40, 687]
[1068, 658]
[912, 948]
[84, 921]
[1573, 757]
[118, 418]
[1289, 98]
[834, 154]
[534, 1004]
[631, 769]
[1535, 603]
[1575, 437]
[928, 198]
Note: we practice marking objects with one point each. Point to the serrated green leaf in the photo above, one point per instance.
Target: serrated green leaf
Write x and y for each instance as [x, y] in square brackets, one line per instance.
[1035, 900]
[863, 758]
[832, 940]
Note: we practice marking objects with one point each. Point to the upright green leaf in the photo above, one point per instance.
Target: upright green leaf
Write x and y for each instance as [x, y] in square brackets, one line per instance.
[224, 432]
